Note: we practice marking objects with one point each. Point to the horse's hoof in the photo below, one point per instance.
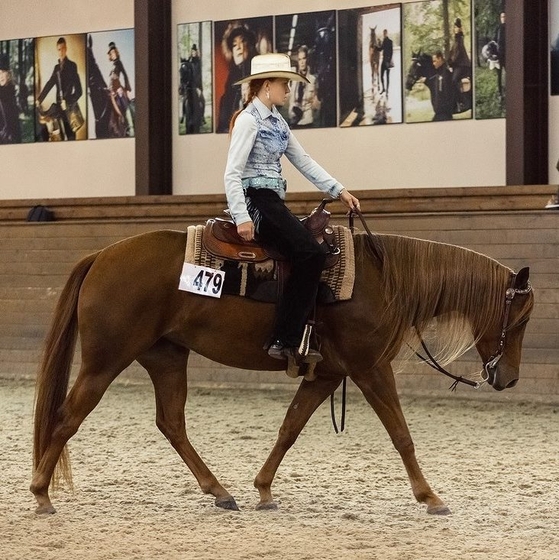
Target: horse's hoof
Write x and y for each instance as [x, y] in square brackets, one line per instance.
[266, 506]
[439, 510]
[45, 510]
[227, 503]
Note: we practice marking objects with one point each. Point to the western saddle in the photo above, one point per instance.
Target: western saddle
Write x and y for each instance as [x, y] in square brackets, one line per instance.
[220, 238]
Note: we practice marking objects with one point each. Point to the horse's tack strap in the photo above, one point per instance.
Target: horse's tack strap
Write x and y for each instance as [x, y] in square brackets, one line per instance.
[375, 239]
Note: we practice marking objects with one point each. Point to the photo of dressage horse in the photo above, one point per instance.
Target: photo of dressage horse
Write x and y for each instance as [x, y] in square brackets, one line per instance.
[370, 65]
[439, 86]
[195, 53]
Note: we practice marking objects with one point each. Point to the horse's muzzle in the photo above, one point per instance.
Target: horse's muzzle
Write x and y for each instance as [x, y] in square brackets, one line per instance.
[498, 383]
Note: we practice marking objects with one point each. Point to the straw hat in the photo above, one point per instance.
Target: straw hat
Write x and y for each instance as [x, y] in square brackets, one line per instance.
[273, 65]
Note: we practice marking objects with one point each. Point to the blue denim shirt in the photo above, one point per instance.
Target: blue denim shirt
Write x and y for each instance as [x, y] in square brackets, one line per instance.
[258, 140]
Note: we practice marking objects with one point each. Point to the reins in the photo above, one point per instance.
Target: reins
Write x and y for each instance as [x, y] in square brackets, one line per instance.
[379, 253]
[431, 361]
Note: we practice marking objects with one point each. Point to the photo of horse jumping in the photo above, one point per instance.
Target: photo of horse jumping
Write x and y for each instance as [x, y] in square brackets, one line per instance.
[124, 304]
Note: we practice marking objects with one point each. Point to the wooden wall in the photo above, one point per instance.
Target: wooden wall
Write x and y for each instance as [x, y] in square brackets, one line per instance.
[508, 224]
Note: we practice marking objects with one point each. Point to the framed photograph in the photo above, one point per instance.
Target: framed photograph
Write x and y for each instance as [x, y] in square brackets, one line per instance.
[236, 42]
[60, 86]
[195, 77]
[370, 56]
[310, 41]
[490, 61]
[111, 84]
[17, 75]
[437, 39]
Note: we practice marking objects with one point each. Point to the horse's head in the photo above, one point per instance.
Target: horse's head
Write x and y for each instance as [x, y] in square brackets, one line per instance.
[373, 36]
[420, 65]
[501, 345]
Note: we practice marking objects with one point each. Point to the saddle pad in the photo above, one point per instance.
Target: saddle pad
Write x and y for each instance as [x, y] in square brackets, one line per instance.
[244, 278]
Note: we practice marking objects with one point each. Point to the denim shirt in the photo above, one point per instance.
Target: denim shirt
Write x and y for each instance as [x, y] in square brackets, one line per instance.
[258, 140]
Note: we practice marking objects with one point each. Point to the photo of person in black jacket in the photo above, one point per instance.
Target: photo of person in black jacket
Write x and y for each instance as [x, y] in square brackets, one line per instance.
[66, 80]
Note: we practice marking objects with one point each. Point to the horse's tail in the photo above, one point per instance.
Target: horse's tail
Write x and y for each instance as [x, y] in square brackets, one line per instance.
[54, 373]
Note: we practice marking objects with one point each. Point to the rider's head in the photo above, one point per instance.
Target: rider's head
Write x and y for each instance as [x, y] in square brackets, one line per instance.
[438, 59]
[61, 48]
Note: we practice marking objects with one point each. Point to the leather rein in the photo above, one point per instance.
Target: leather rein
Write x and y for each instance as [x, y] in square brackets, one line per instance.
[377, 249]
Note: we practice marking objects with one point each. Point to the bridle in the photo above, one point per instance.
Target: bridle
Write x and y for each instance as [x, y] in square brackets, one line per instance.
[488, 371]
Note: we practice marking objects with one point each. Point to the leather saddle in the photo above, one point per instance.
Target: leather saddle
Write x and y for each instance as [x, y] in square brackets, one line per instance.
[220, 238]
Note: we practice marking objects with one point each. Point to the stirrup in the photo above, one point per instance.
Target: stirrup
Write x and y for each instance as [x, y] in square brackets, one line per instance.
[296, 369]
[305, 353]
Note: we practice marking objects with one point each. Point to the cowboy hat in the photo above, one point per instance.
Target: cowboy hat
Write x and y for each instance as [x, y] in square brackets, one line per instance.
[272, 65]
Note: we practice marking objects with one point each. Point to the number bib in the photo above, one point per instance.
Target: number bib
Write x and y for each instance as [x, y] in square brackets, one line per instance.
[201, 280]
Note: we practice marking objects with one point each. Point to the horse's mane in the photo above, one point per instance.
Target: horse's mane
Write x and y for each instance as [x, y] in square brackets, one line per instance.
[437, 286]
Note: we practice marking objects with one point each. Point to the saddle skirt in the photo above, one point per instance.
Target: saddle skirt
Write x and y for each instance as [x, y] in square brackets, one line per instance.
[258, 273]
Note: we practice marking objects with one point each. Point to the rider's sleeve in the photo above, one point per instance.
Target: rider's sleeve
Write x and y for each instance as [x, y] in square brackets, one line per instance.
[316, 174]
[242, 141]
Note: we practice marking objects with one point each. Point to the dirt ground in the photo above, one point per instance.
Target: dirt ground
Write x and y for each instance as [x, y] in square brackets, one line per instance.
[495, 464]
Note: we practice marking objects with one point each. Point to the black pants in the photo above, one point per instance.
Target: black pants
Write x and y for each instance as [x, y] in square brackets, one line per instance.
[278, 228]
[385, 69]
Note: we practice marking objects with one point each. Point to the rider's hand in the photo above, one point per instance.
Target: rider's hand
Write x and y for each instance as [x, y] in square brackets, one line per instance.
[246, 231]
[349, 200]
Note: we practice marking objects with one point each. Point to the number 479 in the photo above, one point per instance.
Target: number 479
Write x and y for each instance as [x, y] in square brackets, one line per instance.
[203, 280]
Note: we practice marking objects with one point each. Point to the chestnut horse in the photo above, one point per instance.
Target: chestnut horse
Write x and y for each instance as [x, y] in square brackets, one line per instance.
[124, 303]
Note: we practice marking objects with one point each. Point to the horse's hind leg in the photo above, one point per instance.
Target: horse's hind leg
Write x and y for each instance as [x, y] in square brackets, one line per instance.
[166, 364]
[379, 388]
[81, 400]
[310, 395]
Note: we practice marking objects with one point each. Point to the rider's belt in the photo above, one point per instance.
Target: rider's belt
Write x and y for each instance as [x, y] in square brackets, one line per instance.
[276, 184]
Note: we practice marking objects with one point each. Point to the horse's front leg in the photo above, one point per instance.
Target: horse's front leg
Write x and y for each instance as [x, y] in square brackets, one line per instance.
[379, 388]
[310, 395]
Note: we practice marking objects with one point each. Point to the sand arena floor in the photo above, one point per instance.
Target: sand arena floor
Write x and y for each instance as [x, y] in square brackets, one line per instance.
[496, 465]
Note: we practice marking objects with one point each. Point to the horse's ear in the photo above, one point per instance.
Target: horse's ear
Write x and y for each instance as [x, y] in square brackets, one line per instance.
[521, 280]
